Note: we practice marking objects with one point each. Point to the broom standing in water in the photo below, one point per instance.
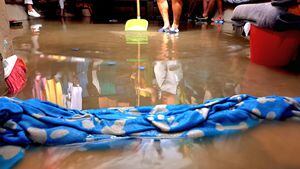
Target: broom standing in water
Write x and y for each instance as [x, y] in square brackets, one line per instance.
[176, 8]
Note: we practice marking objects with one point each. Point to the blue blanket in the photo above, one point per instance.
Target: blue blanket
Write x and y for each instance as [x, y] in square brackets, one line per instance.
[34, 122]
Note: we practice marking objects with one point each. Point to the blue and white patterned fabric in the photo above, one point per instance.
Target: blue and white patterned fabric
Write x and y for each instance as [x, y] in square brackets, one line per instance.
[34, 122]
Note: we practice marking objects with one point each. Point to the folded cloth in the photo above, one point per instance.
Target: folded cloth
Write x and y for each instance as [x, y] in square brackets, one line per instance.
[264, 15]
[288, 21]
[285, 3]
[238, 2]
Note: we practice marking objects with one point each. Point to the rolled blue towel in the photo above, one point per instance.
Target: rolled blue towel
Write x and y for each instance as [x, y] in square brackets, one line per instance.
[34, 122]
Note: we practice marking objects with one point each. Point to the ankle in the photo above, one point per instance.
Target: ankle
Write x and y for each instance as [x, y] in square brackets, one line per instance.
[175, 26]
[166, 26]
[29, 8]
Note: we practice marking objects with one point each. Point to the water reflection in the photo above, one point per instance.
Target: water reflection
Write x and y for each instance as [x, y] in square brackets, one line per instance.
[160, 77]
[111, 85]
[35, 29]
[168, 72]
[157, 81]
[191, 68]
[76, 80]
[65, 85]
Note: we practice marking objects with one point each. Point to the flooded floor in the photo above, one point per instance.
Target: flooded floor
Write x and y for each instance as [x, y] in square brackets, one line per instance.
[268, 146]
[81, 65]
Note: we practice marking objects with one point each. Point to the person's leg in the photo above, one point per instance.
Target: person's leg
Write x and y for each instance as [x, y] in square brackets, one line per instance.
[62, 7]
[205, 5]
[220, 9]
[30, 10]
[177, 8]
[219, 18]
[28, 4]
[163, 9]
[191, 7]
[209, 7]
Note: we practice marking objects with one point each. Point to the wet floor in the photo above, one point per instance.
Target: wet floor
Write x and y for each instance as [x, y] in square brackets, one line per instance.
[117, 69]
[81, 65]
[268, 146]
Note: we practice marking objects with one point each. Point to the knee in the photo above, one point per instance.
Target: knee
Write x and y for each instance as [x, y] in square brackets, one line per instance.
[177, 2]
[160, 1]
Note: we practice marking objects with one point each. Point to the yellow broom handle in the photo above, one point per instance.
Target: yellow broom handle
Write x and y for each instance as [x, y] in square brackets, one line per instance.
[139, 75]
[138, 9]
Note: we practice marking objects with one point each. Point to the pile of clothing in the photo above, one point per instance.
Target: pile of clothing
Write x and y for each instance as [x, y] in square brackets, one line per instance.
[277, 15]
[28, 123]
[238, 2]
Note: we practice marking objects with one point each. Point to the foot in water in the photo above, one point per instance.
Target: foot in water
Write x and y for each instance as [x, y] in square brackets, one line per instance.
[33, 13]
[164, 30]
[173, 31]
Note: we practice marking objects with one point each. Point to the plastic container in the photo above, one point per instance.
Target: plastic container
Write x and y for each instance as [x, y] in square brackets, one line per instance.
[272, 48]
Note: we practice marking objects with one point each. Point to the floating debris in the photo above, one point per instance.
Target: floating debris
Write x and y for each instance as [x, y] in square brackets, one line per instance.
[141, 67]
[110, 63]
[75, 49]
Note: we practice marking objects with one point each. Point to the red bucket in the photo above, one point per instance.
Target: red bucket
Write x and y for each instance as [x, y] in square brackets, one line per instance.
[272, 48]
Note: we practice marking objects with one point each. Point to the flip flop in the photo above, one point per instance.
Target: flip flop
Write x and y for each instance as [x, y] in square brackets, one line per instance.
[173, 31]
[164, 30]
[218, 20]
[202, 19]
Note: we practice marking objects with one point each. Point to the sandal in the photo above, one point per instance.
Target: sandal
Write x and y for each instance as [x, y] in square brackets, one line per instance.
[218, 20]
[173, 31]
[202, 19]
[164, 30]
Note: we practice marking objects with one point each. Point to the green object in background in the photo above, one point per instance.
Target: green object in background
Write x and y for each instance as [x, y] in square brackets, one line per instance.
[136, 60]
[137, 24]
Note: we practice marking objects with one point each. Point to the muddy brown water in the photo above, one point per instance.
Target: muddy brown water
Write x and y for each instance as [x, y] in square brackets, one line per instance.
[114, 68]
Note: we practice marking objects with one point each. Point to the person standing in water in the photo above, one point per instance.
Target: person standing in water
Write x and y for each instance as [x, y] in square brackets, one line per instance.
[207, 8]
[30, 10]
[176, 8]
